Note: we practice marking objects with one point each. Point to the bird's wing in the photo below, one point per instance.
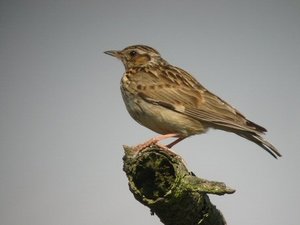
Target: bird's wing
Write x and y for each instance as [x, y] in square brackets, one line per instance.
[179, 91]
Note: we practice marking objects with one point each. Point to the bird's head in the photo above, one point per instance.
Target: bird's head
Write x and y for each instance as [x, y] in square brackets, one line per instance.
[137, 56]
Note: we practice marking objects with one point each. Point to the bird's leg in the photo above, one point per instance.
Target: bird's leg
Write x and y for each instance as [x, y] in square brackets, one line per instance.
[175, 142]
[154, 140]
[167, 148]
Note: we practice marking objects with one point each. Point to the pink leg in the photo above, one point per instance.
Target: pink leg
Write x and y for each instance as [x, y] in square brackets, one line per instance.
[154, 140]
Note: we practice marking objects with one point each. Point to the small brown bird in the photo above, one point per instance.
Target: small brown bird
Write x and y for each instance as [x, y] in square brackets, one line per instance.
[171, 102]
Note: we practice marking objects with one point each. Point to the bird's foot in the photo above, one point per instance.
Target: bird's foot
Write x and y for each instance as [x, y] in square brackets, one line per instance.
[155, 140]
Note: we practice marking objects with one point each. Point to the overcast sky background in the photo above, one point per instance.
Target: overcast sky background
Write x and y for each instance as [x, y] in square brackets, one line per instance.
[63, 122]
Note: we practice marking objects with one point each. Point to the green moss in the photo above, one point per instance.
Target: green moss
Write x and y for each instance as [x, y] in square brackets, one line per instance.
[160, 180]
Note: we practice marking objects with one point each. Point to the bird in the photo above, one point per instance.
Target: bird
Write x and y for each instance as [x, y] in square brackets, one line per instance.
[171, 102]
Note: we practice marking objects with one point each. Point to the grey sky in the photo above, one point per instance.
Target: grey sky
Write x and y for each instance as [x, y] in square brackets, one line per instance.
[63, 122]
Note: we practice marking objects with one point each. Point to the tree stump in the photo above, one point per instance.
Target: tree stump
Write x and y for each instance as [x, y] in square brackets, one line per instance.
[160, 180]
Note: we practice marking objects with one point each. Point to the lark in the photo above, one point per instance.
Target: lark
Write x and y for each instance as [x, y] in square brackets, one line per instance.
[170, 101]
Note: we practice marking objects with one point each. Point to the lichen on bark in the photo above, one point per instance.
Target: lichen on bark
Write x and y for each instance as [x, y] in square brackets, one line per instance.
[160, 180]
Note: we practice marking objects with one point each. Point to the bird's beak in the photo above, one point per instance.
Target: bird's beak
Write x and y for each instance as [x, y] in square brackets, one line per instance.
[113, 53]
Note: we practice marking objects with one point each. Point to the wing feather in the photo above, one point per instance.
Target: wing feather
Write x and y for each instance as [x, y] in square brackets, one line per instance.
[190, 98]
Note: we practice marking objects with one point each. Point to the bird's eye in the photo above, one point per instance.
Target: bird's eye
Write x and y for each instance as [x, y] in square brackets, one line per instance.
[132, 53]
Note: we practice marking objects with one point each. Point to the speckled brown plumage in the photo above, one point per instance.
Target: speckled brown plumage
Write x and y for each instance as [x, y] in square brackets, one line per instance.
[171, 102]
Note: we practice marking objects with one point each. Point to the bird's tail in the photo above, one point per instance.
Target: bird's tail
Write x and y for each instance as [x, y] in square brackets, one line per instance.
[259, 140]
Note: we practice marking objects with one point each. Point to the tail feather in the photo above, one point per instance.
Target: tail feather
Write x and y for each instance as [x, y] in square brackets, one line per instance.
[259, 140]
[255, 126]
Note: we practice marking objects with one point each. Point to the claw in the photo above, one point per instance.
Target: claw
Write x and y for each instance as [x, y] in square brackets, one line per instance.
[167, 148]
[154, 141]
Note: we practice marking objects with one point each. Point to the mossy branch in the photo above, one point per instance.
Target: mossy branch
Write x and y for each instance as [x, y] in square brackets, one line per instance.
[160, 180]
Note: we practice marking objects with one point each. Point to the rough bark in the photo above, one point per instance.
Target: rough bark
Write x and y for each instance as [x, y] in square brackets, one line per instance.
[160, 180]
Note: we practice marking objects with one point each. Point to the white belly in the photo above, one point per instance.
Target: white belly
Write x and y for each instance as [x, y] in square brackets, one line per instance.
[160, 119]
